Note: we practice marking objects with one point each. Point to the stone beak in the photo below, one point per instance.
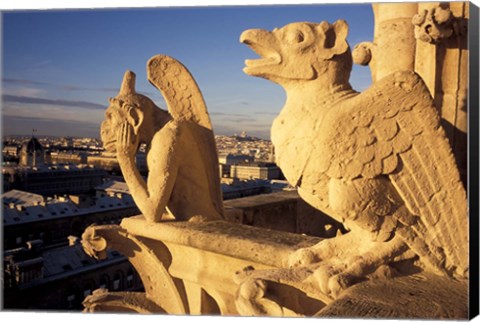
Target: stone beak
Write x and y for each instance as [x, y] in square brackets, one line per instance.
[263, 43]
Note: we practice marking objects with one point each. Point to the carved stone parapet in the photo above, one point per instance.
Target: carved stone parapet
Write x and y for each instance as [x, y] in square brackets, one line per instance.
[436, 24]
[190, 267]
[229, 269]
[149, 261]
[101, 300]
[286, 292]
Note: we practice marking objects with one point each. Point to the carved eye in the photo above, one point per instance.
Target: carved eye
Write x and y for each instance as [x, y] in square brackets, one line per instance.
[295, 37]
[108, 115]
[299, 37]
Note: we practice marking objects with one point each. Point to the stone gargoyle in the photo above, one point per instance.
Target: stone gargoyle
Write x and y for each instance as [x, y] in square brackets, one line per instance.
[378, 161]
[183, 180]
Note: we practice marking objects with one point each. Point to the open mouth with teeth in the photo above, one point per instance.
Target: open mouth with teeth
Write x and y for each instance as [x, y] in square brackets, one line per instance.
[268, 55]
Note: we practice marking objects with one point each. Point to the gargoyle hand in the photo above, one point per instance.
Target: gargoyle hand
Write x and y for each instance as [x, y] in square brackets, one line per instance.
[127, 141]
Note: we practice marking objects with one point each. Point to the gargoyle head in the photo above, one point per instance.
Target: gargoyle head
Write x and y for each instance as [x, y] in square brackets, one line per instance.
[127, 106]
[297, 51]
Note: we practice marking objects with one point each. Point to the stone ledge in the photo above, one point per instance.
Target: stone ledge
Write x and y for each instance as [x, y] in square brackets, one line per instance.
[424, 296]
[269, 247]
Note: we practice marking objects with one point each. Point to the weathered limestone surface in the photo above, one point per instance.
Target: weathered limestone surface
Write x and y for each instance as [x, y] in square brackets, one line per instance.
[268, 247]
[442, 62]
[377, 161]
[183, 180]
[424, 296]
[198, 268]
[429, 38]
[224, 268]
[393, 37]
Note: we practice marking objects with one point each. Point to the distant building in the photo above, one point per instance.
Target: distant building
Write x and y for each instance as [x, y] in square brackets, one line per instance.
[60, 278]
[233, 188]
[40, 270]
[109, 162]
[49, 180]
[249, 171]
[112, 187]
[68, 157]
[282, 210]
[28, 216]
[106, 161]
[230, 159]
[11, 151]
[32, 153]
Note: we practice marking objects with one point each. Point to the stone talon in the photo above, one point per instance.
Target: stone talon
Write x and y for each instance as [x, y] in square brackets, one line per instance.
[302, 257]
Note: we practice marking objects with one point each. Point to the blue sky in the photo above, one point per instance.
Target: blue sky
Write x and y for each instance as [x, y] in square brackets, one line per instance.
[60, 66]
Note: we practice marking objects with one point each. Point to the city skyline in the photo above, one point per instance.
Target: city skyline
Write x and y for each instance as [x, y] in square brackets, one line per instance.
[61, 66]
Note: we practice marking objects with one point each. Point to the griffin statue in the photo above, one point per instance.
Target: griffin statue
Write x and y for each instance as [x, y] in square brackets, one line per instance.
[377, 161]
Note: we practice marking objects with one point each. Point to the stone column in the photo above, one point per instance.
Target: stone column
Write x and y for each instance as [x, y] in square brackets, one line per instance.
[394, 43]
[430, 39]
[393, 38]
[442, 61]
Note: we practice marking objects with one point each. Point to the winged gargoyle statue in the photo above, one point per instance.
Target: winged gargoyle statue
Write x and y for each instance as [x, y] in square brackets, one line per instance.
[183, 181]
[378, 161]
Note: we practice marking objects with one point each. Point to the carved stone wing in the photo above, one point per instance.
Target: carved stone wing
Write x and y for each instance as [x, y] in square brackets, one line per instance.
[393, 129]
[181, 92]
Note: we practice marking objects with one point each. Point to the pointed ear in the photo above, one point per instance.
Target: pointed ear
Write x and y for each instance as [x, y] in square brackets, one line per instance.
[341, 32]
[335, 38]
[135, 116]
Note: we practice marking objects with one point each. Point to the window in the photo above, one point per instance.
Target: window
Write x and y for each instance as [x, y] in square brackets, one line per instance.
[130, 280]
[117, 281]
[70, 299]
[104, 282]
[116, 285]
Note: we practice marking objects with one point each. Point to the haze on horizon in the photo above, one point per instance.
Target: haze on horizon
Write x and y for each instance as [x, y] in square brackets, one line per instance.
[61, 66]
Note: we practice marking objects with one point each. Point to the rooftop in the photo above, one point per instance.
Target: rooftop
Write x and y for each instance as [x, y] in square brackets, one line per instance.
[20, 207]
[22, 198]
[113, 186]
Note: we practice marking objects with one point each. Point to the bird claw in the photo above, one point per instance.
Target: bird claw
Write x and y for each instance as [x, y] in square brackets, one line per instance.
[332, 280]
[302, 257]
